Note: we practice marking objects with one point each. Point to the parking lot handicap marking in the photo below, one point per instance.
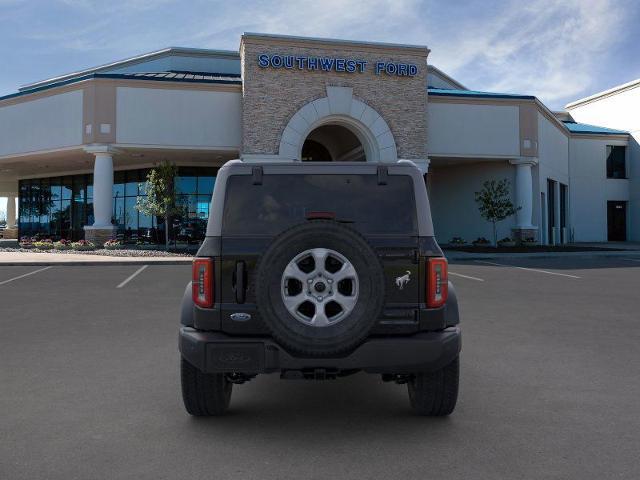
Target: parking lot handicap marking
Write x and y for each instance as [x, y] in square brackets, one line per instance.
[528, 269]
[466, 276]
[132, 276]
[25, 275]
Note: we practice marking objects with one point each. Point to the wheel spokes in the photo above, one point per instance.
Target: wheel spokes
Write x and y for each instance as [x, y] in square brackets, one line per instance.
[319, 258]
[320, 318]
[346, 271]
[293, 302]
[347, 302]
[312, 295]
[293, 271]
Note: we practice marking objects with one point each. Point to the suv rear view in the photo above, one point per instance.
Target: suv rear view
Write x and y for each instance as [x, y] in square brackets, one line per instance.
[317, 271]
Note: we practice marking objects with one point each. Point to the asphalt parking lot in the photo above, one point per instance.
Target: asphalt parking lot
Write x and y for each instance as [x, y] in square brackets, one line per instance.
[550, 385]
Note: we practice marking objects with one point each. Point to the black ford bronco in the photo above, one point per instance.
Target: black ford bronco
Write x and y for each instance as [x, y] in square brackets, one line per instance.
[319, 270]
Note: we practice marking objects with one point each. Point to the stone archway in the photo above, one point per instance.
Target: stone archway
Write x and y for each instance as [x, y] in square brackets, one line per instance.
[332, 141]
[341, 109]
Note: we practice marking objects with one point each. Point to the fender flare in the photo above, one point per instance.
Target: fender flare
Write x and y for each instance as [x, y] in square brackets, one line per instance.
[452, 315]
[186, 308]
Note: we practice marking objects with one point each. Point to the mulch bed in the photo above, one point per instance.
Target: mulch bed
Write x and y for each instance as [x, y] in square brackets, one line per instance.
[106, 253]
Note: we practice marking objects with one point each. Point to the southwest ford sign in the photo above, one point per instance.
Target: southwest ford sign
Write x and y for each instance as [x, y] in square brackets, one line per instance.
[333, 64]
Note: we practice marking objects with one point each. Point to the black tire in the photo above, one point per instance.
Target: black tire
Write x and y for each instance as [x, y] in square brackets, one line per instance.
[435, 394]
[346, 334]
[204, 394]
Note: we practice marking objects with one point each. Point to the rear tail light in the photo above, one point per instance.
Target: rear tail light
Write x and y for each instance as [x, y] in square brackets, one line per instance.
[202, 282]
[437, 282]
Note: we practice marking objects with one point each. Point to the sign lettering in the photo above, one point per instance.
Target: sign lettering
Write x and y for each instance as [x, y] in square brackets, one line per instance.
[332, 64]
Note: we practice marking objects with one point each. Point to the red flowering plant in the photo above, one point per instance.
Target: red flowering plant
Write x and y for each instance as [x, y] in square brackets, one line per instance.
[26, 242]
[112, 244]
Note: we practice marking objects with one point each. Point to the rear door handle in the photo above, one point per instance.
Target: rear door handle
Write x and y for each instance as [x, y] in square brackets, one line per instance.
[241, 282]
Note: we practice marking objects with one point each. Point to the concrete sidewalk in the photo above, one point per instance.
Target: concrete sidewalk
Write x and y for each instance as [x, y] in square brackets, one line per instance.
[36, 259]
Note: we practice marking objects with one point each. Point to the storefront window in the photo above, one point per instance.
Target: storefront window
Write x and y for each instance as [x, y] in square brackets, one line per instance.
[59, 207]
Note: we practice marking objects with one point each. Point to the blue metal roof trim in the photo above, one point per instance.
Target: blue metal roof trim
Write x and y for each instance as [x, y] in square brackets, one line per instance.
[585, 128]
[226, 79]
[444, 92]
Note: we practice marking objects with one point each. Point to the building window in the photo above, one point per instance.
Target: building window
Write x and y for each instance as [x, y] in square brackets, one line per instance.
[59, 207]
[616, 164]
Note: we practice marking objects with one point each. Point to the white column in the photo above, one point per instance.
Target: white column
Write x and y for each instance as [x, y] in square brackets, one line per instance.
[11, 212]
[524, 192]
[102, 190]
[102, 229]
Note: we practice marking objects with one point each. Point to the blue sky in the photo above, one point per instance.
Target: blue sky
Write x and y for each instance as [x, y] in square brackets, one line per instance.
[557, 50]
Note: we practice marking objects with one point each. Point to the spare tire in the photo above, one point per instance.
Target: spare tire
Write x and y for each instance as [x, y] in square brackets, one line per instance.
[320, 288]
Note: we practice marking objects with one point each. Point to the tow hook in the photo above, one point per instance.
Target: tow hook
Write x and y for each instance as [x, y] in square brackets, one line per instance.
[397, 378]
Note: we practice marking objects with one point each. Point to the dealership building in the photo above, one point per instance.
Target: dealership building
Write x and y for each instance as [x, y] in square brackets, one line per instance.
[74, 149]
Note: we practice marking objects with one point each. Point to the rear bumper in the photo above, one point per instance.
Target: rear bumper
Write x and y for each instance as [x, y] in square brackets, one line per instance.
[214, 352]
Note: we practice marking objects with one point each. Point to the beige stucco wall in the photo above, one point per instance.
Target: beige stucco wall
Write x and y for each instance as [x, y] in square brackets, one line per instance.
[272, 96]
[49, 122]
[473, 129]
[178, 117]
[619, 110]
[590, 189]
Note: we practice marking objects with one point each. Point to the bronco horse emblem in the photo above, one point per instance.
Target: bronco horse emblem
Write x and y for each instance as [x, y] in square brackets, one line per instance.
[403, 280]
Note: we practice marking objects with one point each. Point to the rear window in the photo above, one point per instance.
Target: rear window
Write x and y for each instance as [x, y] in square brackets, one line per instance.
[282, 201]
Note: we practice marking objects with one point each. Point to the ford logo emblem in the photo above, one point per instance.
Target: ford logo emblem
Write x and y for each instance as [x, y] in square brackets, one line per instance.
[240, 317]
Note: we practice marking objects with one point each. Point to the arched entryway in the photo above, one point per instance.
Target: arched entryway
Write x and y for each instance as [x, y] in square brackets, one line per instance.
[332, 142]
[338, 126]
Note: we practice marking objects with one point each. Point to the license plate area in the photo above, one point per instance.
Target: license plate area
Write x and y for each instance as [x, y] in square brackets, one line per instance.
[235, 357]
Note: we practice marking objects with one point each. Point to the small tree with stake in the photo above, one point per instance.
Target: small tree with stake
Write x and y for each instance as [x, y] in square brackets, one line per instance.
[494, 203]
[160, 199]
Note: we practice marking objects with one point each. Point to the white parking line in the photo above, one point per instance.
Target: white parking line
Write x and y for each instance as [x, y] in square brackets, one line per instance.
[132, 276]
[466, 276]
[529, 269]
[25, 275]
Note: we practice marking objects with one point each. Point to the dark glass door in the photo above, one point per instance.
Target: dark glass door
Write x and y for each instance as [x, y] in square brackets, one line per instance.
[551, 210]
[617, 221]
[563, 213]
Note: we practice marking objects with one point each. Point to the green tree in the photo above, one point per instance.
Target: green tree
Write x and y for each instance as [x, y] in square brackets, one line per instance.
[160, 199]
[494, 203]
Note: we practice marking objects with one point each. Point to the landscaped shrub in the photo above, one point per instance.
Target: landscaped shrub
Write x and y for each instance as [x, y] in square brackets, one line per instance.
[506, 242]
[528, 241]
[457, 241]
[112, 244]
[62, 245]
[83, 245]
[481, 241]
[46, 244]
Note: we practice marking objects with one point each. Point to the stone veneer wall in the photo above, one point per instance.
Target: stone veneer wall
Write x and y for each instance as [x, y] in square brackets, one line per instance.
[99, 236]
[272, 96]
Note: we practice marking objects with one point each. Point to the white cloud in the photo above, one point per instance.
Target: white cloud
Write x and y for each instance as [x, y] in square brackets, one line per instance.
[545, 48]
